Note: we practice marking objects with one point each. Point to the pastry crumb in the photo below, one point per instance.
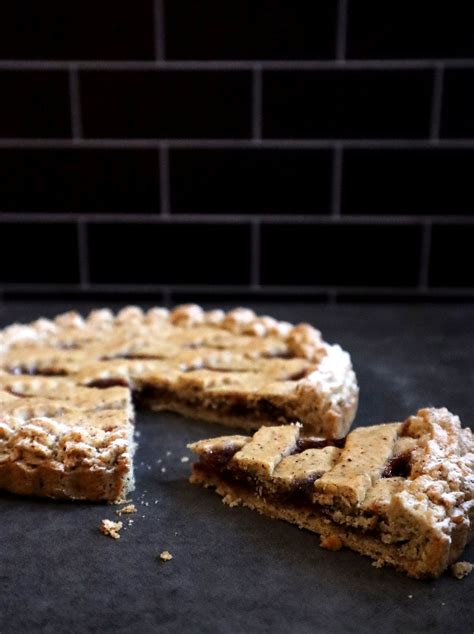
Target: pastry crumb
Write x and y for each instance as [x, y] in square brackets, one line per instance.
[130, 508]
[119, 501]
[461, 569]
[107, 527]
[410, 596]
[185, 459]
[166, 555]
[331, 542]
[378, 563]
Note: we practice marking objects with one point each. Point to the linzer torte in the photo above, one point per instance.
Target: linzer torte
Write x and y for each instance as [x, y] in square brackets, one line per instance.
[401, 493]
[65, 385]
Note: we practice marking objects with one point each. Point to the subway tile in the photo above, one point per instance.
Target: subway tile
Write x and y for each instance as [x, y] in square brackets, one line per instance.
[250, 30]
[414, 181]
[407, 29]
[78, 180]
[250, 181]
[39, 253]
[347, 104]
[34, 104]
[77, 30]
[340, 255]
[458, 103]
[166, 104]
[169, 253]
[451, 256]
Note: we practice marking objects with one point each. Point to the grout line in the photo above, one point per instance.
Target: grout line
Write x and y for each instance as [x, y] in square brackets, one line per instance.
[162, 64]
[257, 103]
[336, 184]
[425, 253]
[255, 255]
[83, 253]
[238, 288]
[164, 175]
[219, 219]
[332, 296]
[166, 296]
[437, 102]
[341, 33]
[159, 29]
[75, 102]
[276, 144]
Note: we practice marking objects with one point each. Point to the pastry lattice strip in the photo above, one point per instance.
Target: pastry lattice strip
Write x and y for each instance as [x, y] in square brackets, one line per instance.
[402, 493]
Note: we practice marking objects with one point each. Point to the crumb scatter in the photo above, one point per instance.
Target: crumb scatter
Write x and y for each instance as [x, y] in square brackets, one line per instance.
[110, 528]
[461, 569]
[130, 508]
[166, 555]
[331, 542]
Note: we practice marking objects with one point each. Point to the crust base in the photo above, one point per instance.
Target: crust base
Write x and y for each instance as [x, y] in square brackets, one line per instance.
[80, 484]
[330, 426]
[430, 563]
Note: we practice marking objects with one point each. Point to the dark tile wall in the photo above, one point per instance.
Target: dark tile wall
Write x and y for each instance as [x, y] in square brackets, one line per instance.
[197, 150]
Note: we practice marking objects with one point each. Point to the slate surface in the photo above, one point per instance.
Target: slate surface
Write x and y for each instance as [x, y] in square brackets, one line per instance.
[233, 570]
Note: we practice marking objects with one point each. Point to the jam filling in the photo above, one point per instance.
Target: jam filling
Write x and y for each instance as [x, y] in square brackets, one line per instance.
[203, 366]
[262, 409]
[36, 371]
[299, 494]
[105, 383]
[297, 376]
[398, 466]
[308, 442]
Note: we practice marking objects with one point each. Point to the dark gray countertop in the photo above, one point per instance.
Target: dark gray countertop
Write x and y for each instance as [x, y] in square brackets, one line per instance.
[234, 570]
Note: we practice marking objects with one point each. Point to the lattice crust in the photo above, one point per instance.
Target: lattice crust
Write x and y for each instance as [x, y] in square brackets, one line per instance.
[234, 368]
[58, 439]
[402, 493]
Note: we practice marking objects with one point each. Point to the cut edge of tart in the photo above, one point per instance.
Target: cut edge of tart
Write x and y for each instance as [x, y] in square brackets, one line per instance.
[62, 441]
[401, 493]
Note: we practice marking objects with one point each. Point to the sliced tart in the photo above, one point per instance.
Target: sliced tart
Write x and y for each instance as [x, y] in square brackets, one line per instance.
[401, 493]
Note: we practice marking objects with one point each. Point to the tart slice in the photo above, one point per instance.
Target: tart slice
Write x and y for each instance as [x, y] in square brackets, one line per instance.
[59, 440]
[233, 368]
[401, 493]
